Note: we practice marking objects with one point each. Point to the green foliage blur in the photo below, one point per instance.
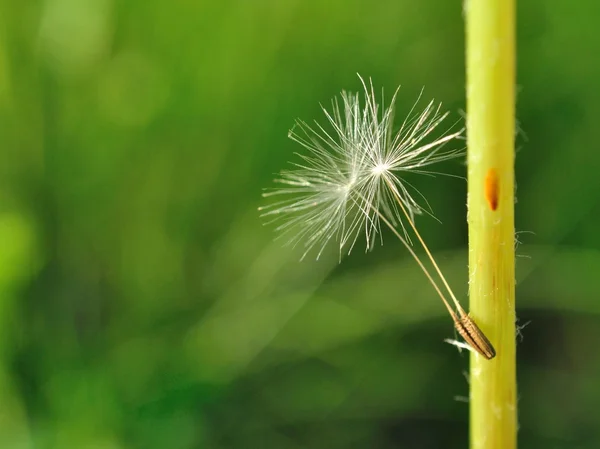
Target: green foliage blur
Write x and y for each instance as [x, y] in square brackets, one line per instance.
[144, 304]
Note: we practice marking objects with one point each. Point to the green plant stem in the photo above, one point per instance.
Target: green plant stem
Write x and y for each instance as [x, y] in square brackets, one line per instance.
[490, 58]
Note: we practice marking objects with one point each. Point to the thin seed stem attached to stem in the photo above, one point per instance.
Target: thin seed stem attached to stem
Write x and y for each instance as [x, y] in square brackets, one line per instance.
[419, 262]
[463, 323]
[433, 262]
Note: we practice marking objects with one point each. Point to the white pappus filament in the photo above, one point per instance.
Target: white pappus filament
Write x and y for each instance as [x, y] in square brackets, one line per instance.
[352, 176]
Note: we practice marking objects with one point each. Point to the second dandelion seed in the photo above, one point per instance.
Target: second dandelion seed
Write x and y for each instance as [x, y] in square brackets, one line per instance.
[351, 181]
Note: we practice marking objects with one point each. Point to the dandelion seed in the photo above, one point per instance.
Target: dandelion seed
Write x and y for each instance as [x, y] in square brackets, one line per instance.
[351, 181]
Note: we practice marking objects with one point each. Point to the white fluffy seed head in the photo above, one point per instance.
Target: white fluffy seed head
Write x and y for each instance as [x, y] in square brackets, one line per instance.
[352, 174]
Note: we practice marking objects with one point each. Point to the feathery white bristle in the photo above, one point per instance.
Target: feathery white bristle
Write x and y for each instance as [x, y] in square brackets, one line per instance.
[352, 173]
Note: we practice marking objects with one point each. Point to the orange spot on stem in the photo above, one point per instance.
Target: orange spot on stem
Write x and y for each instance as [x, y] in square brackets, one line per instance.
[492, 187]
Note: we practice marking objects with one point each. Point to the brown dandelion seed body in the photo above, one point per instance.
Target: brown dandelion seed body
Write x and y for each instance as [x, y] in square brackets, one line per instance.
[470, 332]
[492, 189]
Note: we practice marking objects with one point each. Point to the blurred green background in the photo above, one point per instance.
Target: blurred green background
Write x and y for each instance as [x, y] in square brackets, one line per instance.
[143, 304]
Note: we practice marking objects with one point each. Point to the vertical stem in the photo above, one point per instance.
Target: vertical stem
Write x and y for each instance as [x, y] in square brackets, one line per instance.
[490, 30]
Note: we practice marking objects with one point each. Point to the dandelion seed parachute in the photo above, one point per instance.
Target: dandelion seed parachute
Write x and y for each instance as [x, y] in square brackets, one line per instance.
[351, 180]
[352, 174]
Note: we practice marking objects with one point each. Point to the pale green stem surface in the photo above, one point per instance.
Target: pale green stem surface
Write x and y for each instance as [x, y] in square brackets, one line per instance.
[490, 58]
